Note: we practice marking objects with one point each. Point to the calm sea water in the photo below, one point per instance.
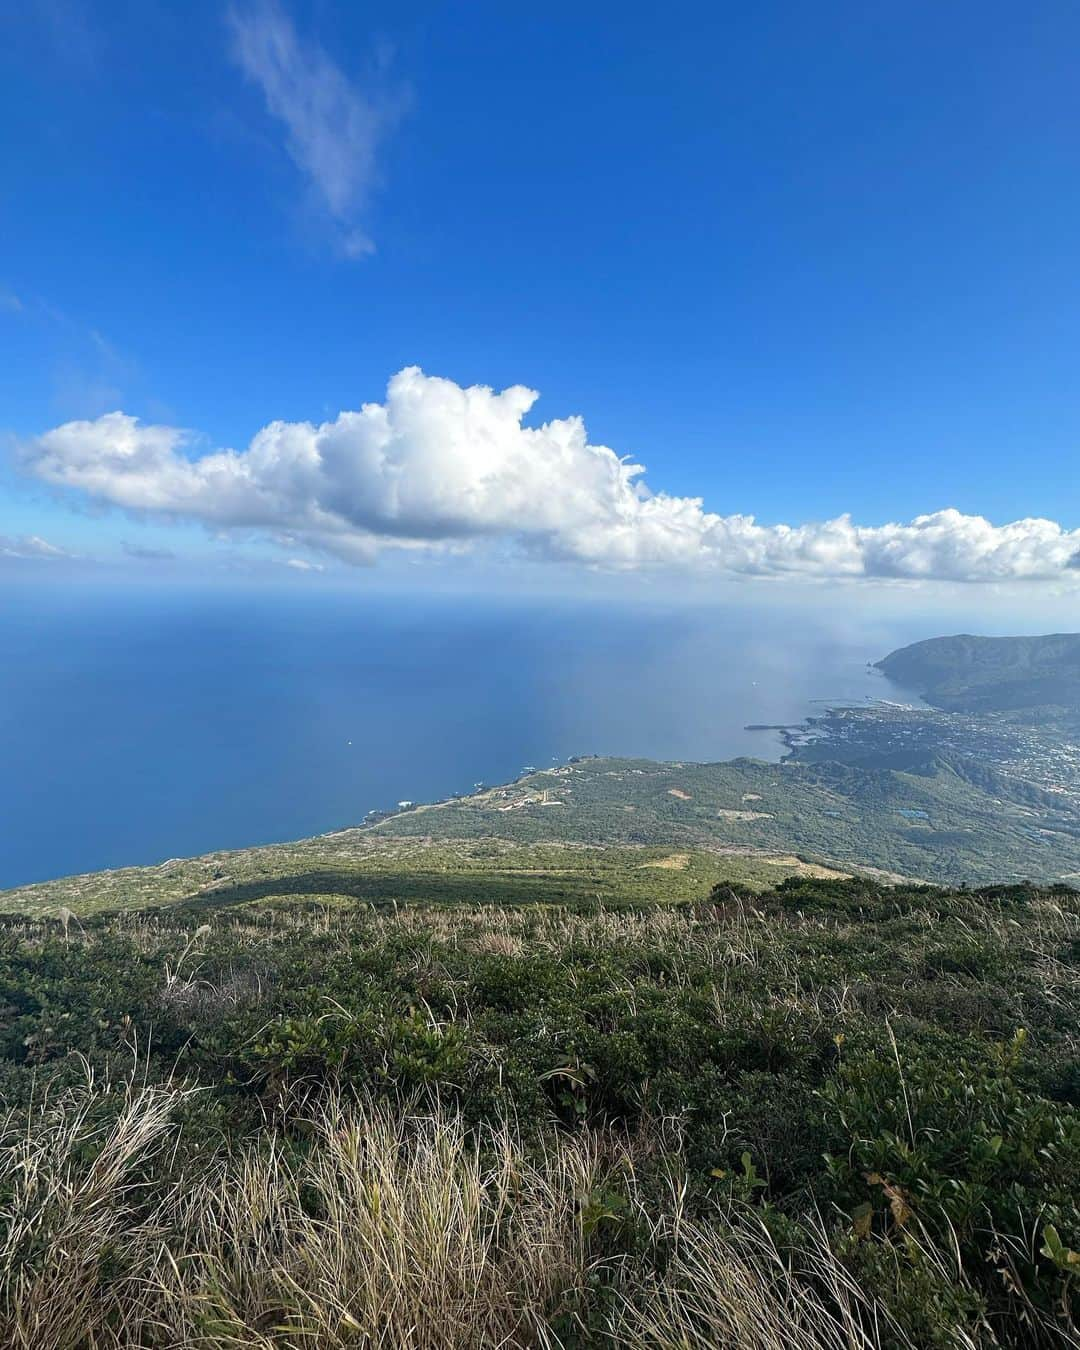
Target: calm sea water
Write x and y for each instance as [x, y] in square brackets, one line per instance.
[133, 729]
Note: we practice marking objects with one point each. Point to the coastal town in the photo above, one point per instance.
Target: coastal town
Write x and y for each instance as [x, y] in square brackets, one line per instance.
[893, 735]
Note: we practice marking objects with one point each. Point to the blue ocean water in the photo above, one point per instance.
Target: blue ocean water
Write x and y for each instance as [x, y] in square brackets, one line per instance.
[136, 727]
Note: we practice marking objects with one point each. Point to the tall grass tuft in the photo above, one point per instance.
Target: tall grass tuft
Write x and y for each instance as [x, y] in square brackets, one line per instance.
[77, 1215]
[375, 1225]
[388, 1228]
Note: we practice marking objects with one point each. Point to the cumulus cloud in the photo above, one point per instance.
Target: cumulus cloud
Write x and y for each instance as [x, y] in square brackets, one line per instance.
[333, 129]
[438, 466]
[30, 546]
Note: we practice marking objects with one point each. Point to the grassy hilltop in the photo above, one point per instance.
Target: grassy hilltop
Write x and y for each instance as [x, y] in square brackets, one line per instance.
[619, 1056]
[827, 1114]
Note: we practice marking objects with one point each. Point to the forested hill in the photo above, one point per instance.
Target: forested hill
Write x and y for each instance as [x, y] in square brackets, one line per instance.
[992, 674]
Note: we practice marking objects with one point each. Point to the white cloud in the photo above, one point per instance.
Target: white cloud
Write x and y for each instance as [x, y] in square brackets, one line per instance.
[333, 128]
[29, 546]
[438, 466]
[305, 565]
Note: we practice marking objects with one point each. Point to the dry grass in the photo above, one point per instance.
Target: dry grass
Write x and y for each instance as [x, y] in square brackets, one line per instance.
[731, 1286]
[391, 1230]
[390, 1227]
[61, 1220]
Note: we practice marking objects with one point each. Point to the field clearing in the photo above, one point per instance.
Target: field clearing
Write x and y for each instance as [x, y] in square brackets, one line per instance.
[366, 866]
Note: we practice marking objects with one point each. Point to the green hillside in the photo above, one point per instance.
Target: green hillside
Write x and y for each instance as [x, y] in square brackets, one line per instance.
[993, 674]
[595, 828]
[827, 1115]
[938, 825]
[612, 1057]
[361, 866]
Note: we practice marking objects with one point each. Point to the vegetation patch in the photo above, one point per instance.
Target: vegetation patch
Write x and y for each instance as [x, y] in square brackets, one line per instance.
[830, 1110]
[919, 818]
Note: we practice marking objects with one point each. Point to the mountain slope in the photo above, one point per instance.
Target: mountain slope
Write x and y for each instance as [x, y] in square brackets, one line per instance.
[360, 866]
[597, 827]
[992, 674]
[936, 824]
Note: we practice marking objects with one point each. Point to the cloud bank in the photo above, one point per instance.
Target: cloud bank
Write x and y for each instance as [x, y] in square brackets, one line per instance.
[333, 129]
[438, 466]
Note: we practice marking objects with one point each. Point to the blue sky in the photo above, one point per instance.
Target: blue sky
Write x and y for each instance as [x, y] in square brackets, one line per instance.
[799, 261]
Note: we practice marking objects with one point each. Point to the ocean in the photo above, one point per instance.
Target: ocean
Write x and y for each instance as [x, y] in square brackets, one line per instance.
[137, 727]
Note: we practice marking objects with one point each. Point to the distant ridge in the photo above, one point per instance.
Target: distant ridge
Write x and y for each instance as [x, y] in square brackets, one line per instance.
[972, 674]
